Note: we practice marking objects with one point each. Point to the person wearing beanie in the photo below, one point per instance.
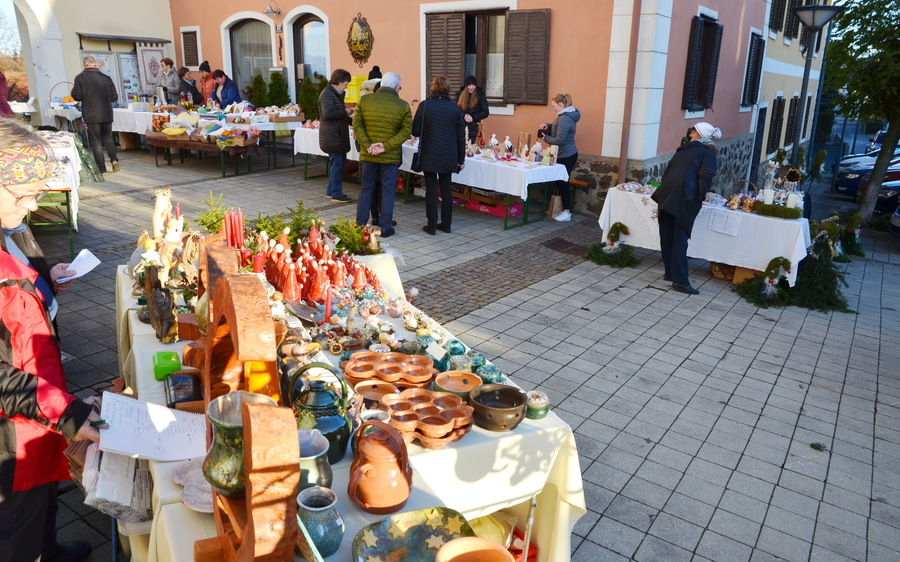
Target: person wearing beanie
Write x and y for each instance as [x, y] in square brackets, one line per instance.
[472, 100]
[206, 84]
[374, 73]
[684, 185]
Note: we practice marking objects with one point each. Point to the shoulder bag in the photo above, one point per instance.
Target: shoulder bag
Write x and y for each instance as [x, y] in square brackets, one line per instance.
[416, 165]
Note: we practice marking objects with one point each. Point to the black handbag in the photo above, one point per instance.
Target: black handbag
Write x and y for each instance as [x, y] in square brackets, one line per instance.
[416, 165]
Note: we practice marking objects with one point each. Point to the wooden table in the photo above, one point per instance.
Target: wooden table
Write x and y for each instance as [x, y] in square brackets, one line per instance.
[204, 147]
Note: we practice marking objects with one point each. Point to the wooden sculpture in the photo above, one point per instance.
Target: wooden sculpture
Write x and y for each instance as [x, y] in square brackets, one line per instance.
[262, 526]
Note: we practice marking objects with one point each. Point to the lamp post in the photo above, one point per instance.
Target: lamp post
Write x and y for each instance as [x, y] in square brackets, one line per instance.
[814, 18]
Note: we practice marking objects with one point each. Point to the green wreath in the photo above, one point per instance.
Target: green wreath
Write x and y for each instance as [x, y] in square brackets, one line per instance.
[613, 253]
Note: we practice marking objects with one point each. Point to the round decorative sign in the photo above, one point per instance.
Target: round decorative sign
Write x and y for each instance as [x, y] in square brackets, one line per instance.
[360, 39]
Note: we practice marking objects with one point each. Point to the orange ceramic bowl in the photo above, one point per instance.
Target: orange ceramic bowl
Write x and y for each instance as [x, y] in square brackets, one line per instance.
[473, 549]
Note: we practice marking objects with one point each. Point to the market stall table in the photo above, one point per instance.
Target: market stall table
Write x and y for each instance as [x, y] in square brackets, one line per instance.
[720, 235]
[511, 178]
[477, 475]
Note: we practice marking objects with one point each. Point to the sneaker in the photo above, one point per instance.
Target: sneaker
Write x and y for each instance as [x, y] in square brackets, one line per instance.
[341, 198]
[564, 216]
[116, 167]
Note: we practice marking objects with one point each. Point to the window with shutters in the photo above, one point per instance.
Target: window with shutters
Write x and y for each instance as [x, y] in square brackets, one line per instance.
[791, 121]
[754, 70]
[792, 27]
[702, 63]
[775, 123]
[507, 51]
[776, 15]
[189, 49]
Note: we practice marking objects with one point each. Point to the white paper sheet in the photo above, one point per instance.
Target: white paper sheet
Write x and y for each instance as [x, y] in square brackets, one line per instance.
[84, 263]
[726, 222]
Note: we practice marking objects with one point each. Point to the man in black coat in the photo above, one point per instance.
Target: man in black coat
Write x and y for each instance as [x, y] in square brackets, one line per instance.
[683, 188]
[334, 132]
[96, 92]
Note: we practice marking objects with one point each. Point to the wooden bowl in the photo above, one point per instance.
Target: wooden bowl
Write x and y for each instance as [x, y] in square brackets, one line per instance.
[498, 407]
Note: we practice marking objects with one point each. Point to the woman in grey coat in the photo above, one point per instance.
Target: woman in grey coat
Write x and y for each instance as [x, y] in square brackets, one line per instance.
[441, 129]
[562, 134]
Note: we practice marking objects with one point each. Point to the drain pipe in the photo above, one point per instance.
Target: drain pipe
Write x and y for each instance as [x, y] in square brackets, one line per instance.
[629, 90]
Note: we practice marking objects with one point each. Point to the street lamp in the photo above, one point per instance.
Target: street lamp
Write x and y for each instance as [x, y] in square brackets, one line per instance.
[814, 18]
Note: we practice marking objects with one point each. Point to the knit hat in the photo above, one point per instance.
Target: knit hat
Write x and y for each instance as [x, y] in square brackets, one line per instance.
[204, 66]
[375, 72]
[707, 132]
[470, 80]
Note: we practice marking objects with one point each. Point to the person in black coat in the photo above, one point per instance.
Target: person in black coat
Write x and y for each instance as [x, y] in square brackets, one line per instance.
[683, 188]
[334, 132]
[440, 126]
[96, 92]
[188, 87]
[473, 102]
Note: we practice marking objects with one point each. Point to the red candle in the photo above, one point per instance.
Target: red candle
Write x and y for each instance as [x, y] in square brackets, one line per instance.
[240, 218]
[259, 261]
[178, 211]
[328, 302]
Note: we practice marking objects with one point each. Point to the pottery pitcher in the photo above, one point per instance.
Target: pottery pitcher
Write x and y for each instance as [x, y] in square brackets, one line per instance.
[380, 476]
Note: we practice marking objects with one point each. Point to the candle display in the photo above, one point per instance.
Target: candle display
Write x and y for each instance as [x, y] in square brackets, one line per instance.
[768, 196]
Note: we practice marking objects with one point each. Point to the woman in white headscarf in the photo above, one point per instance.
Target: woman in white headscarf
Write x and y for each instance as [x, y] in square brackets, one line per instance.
[683, 188]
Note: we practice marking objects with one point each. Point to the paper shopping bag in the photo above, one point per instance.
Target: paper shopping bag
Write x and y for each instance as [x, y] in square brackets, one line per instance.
[556, 205]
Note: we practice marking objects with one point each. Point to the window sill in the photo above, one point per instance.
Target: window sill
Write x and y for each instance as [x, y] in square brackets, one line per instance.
[699, 114]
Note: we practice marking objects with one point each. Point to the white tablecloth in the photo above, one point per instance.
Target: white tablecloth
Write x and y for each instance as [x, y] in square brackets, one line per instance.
[511, 178]
[128, 121]
[62, 145]
[756, 242]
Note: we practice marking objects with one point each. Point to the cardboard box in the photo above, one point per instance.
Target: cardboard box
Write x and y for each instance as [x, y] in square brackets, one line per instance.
[129, 141]
[151, 134]
[487, 197]
[515, 209]
[241, 141]
[463, 192]
[741, 274]
[285, 118]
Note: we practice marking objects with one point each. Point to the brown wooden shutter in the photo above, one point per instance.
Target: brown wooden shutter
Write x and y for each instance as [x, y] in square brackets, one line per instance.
[754, 70]
[776, 15]
[189, 45]
[713, 68]
[527, 57]
[792, 28]
[692, 71]
[445, 48]
[775, 123]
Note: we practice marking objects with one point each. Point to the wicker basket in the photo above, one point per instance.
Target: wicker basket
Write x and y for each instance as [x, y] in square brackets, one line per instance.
[740, 187]
[721, 271]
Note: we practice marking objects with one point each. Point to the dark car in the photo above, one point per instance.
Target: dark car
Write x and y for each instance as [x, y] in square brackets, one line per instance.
[894, 225]
[849, 180]
[888, 197]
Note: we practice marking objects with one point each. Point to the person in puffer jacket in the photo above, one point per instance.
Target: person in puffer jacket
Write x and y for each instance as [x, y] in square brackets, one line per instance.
[562, 134]
[334, 132]
[37, 414]
[381, 124]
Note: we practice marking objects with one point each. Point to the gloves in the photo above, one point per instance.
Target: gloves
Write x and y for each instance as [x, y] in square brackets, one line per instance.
[540, 133]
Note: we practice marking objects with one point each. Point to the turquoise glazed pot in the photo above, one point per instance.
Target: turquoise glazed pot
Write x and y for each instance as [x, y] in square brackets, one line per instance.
[223, 466]
[317, 406]
[490, 374]
[477, 359]
[316, 510]
[455, 347]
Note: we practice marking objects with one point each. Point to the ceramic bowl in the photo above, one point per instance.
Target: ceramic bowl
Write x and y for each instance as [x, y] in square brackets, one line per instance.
[388, 372]
[373, 391]
[498, 407]
[473, 549]
[360, 369]
[459, 383]
[394, 403]
[437, 425]
[404, 421]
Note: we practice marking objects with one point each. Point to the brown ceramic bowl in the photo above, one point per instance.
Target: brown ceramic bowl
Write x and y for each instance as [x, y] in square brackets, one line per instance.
[404, 421]
[393, 357]
[437, 425]
[415, 374]
[360, 369]
[373, 391]
[424, 409]
[447, 402]
[420, 361]
[498, 407]
[473, 549]
[395, 403]
[388, 372]
[459, 383]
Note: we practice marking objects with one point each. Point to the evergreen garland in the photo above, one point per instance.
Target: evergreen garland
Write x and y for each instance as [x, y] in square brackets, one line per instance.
[850, 240]
[613, 253]
[819, 280]
[778, 211]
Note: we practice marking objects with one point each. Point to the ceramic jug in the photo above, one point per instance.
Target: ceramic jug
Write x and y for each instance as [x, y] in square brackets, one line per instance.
[316, 509]
[380, 475]
[317, 406]
[223, 466]
[314, 467]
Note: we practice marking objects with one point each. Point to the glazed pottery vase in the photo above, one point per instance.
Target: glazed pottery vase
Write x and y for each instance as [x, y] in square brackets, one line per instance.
[380, 475]
[455, 347]
[223, 466]
[314, 467]
[317, 406]
[477, 359]
[316, 509]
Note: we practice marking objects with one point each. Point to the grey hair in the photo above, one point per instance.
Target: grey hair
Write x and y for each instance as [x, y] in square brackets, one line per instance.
[89, 61]
[390, 80]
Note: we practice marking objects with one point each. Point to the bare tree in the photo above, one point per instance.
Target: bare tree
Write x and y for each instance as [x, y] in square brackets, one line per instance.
[10, 44]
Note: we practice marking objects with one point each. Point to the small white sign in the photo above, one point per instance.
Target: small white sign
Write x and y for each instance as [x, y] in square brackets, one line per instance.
[726, 222]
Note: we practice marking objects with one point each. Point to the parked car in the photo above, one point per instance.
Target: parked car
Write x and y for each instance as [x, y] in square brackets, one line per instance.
[867, 159]
[888, 197]
[876, 141]
[894, 225]
[848, 181]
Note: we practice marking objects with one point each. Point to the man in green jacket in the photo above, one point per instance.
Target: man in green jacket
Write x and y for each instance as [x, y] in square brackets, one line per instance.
[381, 124]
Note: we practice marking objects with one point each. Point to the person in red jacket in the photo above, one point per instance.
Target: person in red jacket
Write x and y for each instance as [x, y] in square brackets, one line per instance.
[37, 414]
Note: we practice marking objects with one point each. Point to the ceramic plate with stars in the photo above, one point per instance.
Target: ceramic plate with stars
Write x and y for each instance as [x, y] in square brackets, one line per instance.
[412, 536]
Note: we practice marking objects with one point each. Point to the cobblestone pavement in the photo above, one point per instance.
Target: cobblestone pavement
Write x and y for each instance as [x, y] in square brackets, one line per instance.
[694, 416]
